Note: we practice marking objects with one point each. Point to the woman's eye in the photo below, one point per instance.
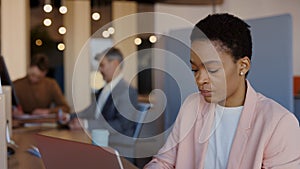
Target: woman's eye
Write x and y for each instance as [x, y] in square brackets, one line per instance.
[213, 70]
[194, 70]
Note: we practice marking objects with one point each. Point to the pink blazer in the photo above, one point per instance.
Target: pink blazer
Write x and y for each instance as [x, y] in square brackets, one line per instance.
[268, 136]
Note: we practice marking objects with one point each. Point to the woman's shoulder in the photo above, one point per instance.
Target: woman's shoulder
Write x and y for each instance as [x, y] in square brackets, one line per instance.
[274, 116]
[265, 103]
[264, 106]
[194, 99]
[270, 110]
[192, 105]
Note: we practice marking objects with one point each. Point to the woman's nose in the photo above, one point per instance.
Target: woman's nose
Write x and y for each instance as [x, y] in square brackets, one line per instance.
[202, 77]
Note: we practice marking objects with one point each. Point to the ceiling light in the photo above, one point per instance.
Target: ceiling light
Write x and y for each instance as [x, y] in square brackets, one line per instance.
[61, 46]
[96, 16]
[105, 34]
[152, 39]
[63, 9]
[137, 41]
[47, 22]
[47, 8]
[62, 30]
[38, 42]
[111, 30]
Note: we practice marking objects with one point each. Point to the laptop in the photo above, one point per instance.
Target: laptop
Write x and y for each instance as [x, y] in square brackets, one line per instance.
[59, 153]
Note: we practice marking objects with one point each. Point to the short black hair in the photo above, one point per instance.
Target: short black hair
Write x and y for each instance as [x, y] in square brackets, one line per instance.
[230, 30]
[41, 61]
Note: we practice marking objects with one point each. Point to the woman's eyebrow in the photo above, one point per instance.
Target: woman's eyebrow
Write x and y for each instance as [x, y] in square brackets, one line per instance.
[212, 62]
[208, 62]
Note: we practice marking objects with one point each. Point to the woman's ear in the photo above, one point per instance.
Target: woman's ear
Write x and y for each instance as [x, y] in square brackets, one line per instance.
[244, 65]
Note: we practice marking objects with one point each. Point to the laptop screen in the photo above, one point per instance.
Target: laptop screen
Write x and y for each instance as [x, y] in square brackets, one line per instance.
[60, 153]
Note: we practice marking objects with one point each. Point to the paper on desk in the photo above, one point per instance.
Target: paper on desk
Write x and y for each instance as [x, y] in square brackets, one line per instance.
[33, 117]
[53, 125]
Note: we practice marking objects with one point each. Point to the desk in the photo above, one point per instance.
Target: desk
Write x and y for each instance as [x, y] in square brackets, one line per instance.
[24, 139]
[20, 122]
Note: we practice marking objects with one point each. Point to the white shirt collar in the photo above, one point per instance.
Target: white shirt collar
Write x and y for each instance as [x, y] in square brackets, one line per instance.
[112, 84]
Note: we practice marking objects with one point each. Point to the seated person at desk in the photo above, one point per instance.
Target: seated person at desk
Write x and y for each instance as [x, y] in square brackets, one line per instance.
[114, 106]
[228, 124]
[38, 93]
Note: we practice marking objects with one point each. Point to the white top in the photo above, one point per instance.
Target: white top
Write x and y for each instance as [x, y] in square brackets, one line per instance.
[223, 132]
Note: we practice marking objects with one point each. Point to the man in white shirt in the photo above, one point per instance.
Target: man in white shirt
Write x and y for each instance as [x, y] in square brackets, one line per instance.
[113, 106]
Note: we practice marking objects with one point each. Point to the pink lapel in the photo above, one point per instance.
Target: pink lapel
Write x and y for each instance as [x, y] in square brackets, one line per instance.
[204, 130]
[244, 126]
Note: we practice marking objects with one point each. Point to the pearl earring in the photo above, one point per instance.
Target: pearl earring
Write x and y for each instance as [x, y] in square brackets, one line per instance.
[241, 73]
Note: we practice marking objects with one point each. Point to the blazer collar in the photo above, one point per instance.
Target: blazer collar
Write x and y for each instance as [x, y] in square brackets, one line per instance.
[248, 110]
[249, 107]
[242, 132]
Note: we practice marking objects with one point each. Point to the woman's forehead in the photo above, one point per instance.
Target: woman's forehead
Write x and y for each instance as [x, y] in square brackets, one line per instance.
[206, 51]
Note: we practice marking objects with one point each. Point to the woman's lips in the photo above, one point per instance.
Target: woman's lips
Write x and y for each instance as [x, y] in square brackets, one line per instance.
[205, 93]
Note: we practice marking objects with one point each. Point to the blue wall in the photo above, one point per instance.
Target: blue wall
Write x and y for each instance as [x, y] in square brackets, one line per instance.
[272, 61]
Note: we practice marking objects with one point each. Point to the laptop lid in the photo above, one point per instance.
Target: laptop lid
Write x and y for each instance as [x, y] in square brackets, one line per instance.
[63, 154]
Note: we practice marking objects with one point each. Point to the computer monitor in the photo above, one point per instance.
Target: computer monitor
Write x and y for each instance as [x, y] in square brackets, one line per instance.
[5, 80]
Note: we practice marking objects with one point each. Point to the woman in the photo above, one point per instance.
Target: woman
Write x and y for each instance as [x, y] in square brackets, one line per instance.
[227, 124]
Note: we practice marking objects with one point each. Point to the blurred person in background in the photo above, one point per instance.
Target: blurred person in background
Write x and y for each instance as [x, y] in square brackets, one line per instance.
[38, 94]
